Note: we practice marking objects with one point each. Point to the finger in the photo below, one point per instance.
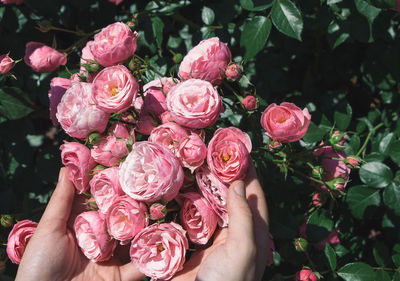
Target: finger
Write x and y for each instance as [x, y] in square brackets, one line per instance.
[129, 272]
[240, 230]
[59, 207]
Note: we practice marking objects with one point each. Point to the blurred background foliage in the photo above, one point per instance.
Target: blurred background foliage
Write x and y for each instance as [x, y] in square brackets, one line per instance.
[338, 58]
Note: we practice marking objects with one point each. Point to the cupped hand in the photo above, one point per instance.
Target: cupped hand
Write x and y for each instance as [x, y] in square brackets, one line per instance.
[239, 252]
[53, 254]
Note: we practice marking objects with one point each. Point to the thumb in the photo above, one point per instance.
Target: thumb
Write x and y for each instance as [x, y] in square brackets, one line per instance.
[240, 230]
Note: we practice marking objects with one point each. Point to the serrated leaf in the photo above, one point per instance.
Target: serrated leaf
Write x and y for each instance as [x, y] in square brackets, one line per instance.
[385, 143]
[254, 35]
[357, 271]
[360, 197]
[207, 15]
[391, 198]
[287, 18]
[330, 255]
[158, 27]
[14, 103]
[376, 174]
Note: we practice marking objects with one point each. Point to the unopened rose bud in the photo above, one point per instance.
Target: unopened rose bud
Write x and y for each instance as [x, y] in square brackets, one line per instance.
[337, 140]
[7, 221]
[94, 138]
[306, 275]
[6, 63]
[91, 66]
[157, 211]
[300, 244]
[318, 199]
[233, 72]
[274, 145]
[317, 172]
[91, 204]
[336, 184]
[250, 103]
[353, 161]
[177, 58]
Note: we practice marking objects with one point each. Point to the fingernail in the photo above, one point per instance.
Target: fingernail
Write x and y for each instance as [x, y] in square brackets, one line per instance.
[239, 189]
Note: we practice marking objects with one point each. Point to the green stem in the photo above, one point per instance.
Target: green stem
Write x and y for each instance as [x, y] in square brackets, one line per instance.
[149, 66]
[305, 176]
[387, 268]
[368, 137]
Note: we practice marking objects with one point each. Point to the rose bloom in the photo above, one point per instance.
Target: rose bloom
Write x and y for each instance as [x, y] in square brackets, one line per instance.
[91, 235]
[58, 87]
[151, 173]
[6, 63]
[166, 117]
[76, 157]
[154, 101]
[306, 275]
[105, 186]
[125, 218]
[77, 114]
[198, 218]
[113, 147]
[16, 2]
[215, 192]
[233, 72]
[114, 89]
[285, 122]
[228, 154]
[145, 124]
[192, 151]
[206, 61]
[158, 251]
[194, 103]
[42, 58]
[168, 135]
[114, 44]
[249, 103]
[157, 211]
[19, 238]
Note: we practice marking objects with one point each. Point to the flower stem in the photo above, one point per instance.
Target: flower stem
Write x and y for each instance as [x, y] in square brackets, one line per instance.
[368, 137]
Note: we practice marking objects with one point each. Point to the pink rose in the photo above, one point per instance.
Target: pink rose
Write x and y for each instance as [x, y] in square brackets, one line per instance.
[105, 186]
[42, 58]
[87, 53]
[151, 173]
[114, 44]
[192, 151]
[114, 89]
[157, 211]
[19, 238]
[158, 251]
[168, 135]
[233, 72]
[285, 122]
[58, 87]
[194, 103]
[198, 218]
[16, 2]
[250, 103]
[206, 61]
[228, 154]
[6, 63]
[306, 275]
[76, 157]
[154, 101]
[77, 114]
[113, 147]
[145, 124]
[91, 235]
[215, 192]
[116, 2]
[166, 117]
[125, 218]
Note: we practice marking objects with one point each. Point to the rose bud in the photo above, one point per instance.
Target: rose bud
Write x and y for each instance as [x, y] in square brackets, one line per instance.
[114, 89]
[233, 72]
[177, 58]
[274, 145]
[300, 244]
[157, 211]
[228, 154]
[151, 173]
[206, 61]
[285, 122]
[16, 2]
[7, 221]
[198, 218]
[19, 238]
[158, 251]
[192, 151]
[215, 192]
[77, 114]
[114, 44]
[6, 63]
[250, 103]
[91, 235]
[318, 199]
[42, 58]
[58, 87]
[76, 157]
[125, 218]
[306, 275]
[91, 204]
[168, 135]
[194, 103]
[105, 186]
[317, 172]
[353, 161]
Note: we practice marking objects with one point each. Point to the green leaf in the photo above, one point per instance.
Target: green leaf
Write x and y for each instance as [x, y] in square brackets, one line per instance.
[382, 275]
[391, 197]
[367, 10]
[315, 133]
[319, 225]
[376, 174]
[254, 35]
[360, 197]
[394, 152]
[396, 276]
[14, 103]
[207, 15]
[249, 5]
[330, 255]
[158, 27]
[287, 18]
[343, 119]
[396, 260]
[381, 253]
[384, 145]
[357, 271]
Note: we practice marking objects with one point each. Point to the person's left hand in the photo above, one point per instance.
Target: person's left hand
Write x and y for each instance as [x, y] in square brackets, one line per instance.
[53, 254]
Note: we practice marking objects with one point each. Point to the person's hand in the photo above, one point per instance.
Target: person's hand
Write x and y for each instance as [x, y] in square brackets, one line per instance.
[53, 254]
[240, 252]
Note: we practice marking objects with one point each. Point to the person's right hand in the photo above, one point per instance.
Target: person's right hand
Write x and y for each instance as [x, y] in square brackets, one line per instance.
[239, 252]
